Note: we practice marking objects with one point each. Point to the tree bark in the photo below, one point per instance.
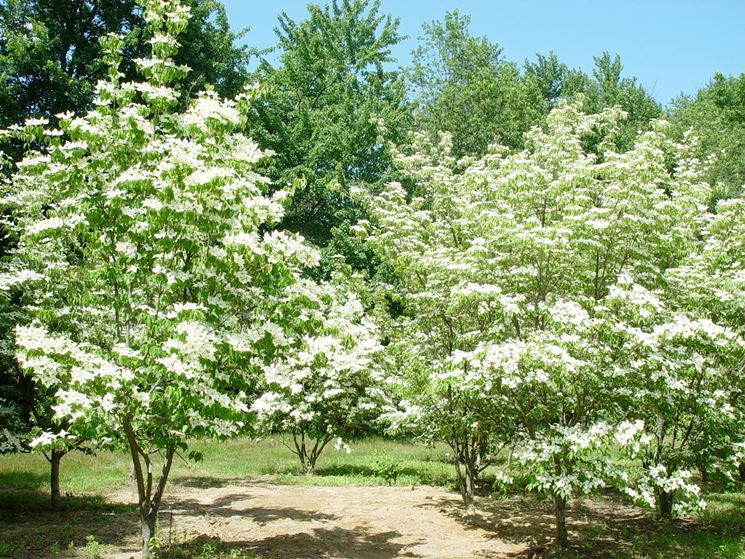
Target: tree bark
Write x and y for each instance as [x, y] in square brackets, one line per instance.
[467, 472]
[741, 469]
[149, 500]
[307, 465]
[703, 470]
[148, 533]
[664, 504]
[560, 508]
[54, 462]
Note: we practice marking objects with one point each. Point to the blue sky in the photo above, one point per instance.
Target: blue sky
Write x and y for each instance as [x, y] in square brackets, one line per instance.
[670, 46]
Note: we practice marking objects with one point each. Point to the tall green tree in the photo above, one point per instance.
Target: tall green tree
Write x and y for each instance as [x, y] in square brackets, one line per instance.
[323, 112]
[464, 87]
[51, 59]
[716, 115]
[608, 89]
[554, 79]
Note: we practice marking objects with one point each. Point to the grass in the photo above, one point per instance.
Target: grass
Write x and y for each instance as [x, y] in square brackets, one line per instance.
[29, 529]
[236, 459]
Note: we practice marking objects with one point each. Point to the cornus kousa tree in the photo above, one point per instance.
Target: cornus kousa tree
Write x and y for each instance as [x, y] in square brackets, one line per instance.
[328, 385]
[448, 310]
[146, 253]
[711, 286]
[509, 268]
[684, 377]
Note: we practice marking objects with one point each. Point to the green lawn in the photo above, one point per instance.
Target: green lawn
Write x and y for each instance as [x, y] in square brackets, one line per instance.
[80, 473]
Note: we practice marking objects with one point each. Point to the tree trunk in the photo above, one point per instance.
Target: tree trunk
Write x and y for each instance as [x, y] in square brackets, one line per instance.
[307, 464]
[741, 469]
[560, 510]
[703, 470]
[467, 474]
[149, 496]
[54, 461]
[148, 532]
[664, 504]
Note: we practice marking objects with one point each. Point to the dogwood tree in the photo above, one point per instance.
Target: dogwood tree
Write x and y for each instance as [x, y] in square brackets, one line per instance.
[327, 385]
[26, 407]
[710, 285]
[146, 253]
[507, 268]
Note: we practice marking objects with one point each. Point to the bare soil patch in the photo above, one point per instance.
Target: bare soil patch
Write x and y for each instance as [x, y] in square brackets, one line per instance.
[272, 521]
[283, 521]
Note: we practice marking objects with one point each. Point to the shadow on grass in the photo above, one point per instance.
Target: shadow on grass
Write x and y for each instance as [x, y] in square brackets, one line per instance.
[29, 529]
[23, 480]
[358, 542]
[357, 470]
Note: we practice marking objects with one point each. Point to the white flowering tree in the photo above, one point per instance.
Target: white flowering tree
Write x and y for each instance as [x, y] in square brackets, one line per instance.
[711, 286]
[508, 268]
[146, 253]
[681, 377]
[328, 385]
[27, 419]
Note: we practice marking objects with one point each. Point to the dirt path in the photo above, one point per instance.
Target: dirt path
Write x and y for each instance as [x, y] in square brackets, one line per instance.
[280, 521]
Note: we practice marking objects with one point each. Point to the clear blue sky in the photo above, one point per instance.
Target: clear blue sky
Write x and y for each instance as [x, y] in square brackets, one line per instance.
[671, 46]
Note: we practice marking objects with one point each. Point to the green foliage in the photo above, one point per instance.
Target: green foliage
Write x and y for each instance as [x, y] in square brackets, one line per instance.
[609, 89]
[554, 79]
[92, 549]
[323, 114]
[51, 59]
[716, 116]
[386, 466]
[198, 549]
[465, 88]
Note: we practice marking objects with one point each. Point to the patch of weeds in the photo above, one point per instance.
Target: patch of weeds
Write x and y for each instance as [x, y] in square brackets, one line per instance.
[200, 549]
[92, 549]
[7, 549]
[385, 466]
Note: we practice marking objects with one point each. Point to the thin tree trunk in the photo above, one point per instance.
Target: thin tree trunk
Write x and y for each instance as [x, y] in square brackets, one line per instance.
[664, 504]
[470, 486]
[54, 461]
[741, 469]
[149, 501]
[307, 465]
[466, 473]
[560, 510]
[704, 474]
[148, 533]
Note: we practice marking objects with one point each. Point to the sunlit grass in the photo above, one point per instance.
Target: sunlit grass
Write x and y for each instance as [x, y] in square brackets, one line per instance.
[237, 459]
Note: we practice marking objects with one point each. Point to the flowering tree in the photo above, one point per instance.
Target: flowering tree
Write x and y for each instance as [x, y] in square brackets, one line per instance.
[509, 268]
[681, 377]
[327, 385]
[710, 286]
[146, 256]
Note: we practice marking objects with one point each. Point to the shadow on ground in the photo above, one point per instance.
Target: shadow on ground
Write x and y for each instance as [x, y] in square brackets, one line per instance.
[30, 530]
[603, 528]
[228, 506]
[318, 542]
